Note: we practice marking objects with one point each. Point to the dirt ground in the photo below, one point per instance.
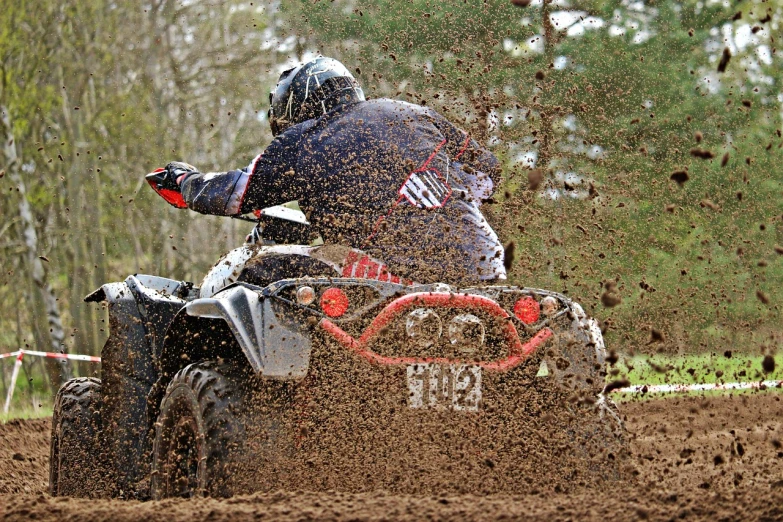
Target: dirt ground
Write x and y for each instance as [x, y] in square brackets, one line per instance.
[694, 459]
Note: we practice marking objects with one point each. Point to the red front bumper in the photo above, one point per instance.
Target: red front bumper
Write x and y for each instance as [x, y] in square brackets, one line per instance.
[517, 351]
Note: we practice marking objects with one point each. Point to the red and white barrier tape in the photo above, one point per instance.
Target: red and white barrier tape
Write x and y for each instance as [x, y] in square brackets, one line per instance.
[19, 354]
[53, 355]
[685, 388]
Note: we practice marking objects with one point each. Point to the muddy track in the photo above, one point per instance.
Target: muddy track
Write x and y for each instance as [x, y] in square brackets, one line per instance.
[694, 459]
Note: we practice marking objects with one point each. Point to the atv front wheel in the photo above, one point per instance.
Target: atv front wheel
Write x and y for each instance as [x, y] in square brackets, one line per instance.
[76, 464]
[198, 433]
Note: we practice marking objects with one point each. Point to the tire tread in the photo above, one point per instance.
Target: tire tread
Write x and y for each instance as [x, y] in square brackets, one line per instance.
[213, 387]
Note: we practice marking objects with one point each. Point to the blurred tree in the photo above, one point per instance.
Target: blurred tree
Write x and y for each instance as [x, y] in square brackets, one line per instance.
[19, 60]
[99, 94]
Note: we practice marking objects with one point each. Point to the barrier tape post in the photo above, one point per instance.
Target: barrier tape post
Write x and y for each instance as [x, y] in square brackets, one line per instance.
[18, 365]
[14, 375]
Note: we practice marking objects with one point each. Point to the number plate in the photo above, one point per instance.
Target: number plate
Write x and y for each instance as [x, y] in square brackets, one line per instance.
[444, 386]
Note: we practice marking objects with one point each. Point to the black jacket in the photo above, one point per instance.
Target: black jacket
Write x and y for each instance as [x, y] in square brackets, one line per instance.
[392, 178]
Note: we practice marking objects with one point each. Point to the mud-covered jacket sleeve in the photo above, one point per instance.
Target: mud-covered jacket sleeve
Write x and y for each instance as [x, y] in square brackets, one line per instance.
[464, 149]
[261, 184]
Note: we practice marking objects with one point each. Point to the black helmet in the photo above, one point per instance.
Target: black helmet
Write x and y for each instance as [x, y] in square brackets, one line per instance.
[310, 90]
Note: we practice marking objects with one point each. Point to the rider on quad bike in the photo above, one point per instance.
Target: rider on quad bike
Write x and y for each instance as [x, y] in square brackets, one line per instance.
[326, 367]
[394, 179]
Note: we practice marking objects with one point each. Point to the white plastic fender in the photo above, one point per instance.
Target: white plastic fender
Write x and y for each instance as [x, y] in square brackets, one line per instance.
[226, 271]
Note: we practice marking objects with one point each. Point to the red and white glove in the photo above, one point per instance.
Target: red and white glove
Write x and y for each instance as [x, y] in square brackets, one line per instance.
[179, 171]
[167, 182]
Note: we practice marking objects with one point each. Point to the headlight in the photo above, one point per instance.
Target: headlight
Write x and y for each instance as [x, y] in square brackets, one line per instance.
[305, 295]
[466, 332]
[549, 306]
[423, 326]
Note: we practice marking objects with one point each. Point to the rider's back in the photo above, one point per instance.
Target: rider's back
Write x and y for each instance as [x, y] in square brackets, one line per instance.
[394, 190]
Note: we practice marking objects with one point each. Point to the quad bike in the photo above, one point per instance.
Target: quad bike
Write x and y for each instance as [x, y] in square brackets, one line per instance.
[312, 367]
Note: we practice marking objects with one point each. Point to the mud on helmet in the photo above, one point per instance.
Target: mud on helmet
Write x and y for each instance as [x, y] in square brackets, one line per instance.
[310, 90]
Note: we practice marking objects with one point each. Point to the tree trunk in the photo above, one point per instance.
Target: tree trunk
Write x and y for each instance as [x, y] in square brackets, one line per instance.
[544, 105]
[59, 372]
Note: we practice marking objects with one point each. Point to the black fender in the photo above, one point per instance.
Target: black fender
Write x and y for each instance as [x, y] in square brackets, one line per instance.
[140, 310]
